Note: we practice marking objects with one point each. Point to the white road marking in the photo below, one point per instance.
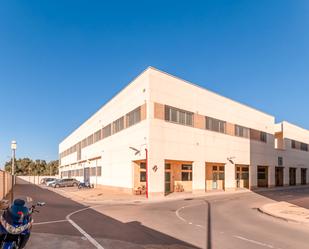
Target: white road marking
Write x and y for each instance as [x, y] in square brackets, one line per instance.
[253, 241]
[49, 222]
[83, 232]
[183, 219]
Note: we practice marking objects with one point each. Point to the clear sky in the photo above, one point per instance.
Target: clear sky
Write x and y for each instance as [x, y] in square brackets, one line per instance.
[62, 60]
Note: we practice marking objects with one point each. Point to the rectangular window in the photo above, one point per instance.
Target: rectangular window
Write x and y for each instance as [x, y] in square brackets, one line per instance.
[186, 176]
[90, 140]
[186, 167]
[107, 131]
[178, 116]
[215, 124]
[263, 136]
[142, 172]
[84, 143]
[241, 131]
[99, 171]
[293, 144]
[167, 166]
[186, 172]
[118, 125]
[142, 176]
[280, 161]
[133, 117]
[261, 173]
[142, 166]
[304, 146]
[97, 136]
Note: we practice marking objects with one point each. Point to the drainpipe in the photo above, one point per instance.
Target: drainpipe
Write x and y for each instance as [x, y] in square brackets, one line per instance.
[146, 173]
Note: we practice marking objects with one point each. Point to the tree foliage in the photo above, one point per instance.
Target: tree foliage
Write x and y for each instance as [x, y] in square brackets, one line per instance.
[26, 166]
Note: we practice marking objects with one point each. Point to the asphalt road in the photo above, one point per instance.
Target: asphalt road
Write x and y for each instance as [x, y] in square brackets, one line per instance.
[216, 222]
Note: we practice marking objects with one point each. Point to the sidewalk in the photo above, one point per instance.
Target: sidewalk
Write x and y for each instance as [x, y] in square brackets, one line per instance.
[100, 195]
[286, 211]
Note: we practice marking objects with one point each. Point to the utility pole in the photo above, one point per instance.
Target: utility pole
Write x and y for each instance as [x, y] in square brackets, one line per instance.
[13, 148]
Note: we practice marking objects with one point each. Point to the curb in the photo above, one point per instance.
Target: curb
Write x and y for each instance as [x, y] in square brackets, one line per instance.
[263, 211]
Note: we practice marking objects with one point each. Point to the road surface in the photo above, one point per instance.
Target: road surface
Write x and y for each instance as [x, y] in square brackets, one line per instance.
[216, 222]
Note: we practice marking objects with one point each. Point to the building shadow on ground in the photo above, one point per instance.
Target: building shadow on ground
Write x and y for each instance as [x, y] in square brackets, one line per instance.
[109, 232]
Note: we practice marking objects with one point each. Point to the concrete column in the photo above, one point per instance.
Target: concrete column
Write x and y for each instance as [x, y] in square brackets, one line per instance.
[156, 181]
[253, 176]
[271, 176]
[286, 176]
[229, 176]
[198, 177]
[298, 176]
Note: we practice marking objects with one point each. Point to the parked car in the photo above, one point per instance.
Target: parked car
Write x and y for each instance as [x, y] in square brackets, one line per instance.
[68, 182]
[49, 183]
[46, 180]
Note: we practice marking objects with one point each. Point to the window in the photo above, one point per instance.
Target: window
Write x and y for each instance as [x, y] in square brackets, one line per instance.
[215, 125]
[167, 166]
[84, 143]
[304, 147]
[97, 136]
[133, 117]
[90, 140]
[280, 161]
[261, 173]
[186, 176]
[118, 125]
[186, 167]
[107, 131]
[178, 116]
[142, 176]
[99, 171]
[142, 172]
[186, 172]
[263, 136]
[142, 166]
[293, 144]
[241, 131]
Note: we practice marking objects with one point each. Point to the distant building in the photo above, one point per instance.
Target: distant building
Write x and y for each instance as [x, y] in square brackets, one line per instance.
[196, 140]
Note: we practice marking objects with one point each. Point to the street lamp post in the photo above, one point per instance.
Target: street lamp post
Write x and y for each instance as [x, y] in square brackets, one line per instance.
[13, 148]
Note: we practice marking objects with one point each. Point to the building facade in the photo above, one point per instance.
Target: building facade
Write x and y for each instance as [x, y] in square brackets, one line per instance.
[188, 139]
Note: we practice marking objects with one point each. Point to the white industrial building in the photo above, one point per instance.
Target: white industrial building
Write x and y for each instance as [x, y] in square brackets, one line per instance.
[196, 141]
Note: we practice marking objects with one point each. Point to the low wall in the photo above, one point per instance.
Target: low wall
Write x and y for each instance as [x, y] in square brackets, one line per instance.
[5, 183]
[31, 179]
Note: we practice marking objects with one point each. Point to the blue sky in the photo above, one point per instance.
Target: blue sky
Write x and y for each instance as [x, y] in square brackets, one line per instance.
[61, 60]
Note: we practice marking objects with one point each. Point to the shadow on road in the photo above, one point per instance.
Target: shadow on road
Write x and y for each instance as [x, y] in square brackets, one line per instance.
[108, 231]
[295, 195]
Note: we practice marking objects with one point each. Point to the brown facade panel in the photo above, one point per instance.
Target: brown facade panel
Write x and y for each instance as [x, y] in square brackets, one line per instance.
[255, 135]
[158, 111]
[230, 129]
[199, 121]
[143, 111]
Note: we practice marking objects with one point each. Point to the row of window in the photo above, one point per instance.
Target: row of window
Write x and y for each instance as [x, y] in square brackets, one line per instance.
[82, 172]
[299, 145]
[183, 117]
[131, 118]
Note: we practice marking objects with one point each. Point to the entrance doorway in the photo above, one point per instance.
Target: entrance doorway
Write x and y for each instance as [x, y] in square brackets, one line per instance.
[242, 176]
[303, 176]
[214, 176]
[279, 176]
[262, 175]
[292, 172]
